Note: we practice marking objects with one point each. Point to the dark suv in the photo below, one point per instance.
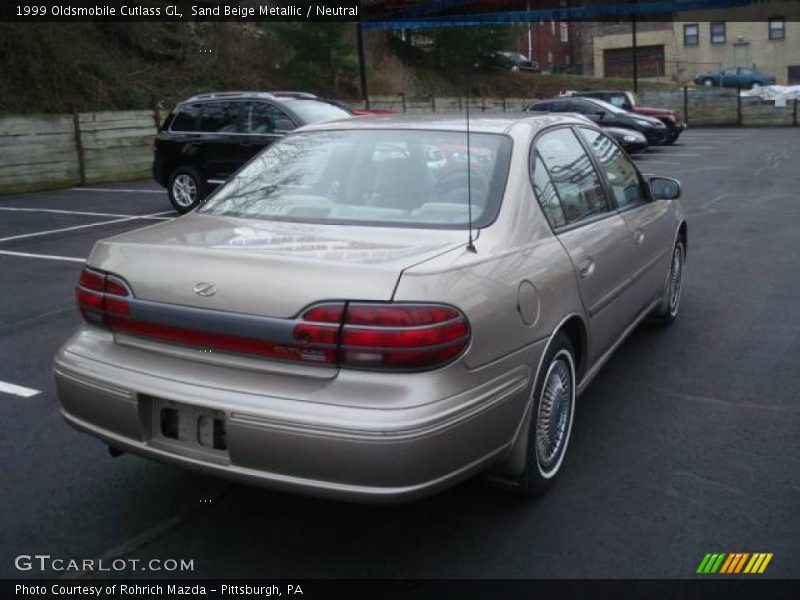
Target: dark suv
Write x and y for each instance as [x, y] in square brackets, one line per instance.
[205, 139]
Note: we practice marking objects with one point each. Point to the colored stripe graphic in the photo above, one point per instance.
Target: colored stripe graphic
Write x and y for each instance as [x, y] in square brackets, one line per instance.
[727, 564]
[734, 563]
[718, 564]
[765, 563]
[701, 568]
[740, 564]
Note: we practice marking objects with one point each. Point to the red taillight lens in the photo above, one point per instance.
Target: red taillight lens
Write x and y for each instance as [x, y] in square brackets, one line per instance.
[99, 294]
[398, 316]
[92, 280]
[386, 336]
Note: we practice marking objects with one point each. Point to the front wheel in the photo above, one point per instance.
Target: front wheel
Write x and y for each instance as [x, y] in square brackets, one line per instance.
[186, 188]
[667, 311]
[552, 411]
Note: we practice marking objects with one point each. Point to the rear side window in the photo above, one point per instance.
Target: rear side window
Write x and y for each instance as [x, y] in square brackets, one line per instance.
[583, 108]
[262, 117]
[220, 117]
[626, 185]
[574, 177]
[314, 111]
[187, 118]
[546, 194]
[618, 100]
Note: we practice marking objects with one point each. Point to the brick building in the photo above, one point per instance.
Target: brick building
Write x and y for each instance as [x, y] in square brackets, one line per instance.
[555, 45]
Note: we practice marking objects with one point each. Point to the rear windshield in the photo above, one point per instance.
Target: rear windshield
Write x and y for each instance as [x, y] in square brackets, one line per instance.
[396, 178]
[314, 111]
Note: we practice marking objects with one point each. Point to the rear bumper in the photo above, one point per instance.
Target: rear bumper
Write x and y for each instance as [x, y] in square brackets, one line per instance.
[344, 452]
[159, 174]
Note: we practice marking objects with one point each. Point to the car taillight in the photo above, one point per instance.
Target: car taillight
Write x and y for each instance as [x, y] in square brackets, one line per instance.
[101, 294]
[384, 336]
[401, 336]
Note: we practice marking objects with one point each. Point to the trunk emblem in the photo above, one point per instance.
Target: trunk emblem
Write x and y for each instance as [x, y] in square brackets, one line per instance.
[203, 288]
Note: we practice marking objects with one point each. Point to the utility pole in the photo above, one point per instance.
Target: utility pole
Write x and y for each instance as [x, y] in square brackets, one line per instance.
[530, 41]
[635, 57]
[362, 64]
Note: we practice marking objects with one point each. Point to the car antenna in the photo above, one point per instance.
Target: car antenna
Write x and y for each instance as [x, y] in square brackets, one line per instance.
[471, 241]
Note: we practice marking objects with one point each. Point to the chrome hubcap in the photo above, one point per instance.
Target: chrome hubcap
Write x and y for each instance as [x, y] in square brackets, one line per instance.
[675, 277]
[554, 417]
[184, 190]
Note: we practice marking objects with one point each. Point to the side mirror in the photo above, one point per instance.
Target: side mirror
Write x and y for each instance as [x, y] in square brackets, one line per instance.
[665, 188]
[600, 114]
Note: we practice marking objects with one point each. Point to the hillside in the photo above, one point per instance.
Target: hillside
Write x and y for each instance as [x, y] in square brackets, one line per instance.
[60, 67]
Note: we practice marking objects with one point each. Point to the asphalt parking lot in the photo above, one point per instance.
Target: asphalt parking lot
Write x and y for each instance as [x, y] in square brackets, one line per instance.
[686, 443]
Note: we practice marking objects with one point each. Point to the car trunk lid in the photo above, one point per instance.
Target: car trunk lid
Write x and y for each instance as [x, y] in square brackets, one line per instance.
[265, 268]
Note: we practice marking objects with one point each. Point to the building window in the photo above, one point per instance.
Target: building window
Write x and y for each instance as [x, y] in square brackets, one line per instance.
[564, 32]
[691, 34]
[717, 33]
[777, 28]
[549, 57]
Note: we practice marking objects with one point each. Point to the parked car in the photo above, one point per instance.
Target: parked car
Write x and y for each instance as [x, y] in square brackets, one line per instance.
[735, 77]
[632, 141]
[206, 138]
[627, 101]
[607, 115]
[347, 318]
[511, 61]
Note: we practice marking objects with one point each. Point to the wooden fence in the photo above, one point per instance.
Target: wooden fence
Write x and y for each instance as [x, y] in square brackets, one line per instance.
[700, 108]
[50, 151]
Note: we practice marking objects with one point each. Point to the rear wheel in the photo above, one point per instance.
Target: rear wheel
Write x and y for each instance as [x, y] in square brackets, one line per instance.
[186, 188]
[552, 411]
[667, 311]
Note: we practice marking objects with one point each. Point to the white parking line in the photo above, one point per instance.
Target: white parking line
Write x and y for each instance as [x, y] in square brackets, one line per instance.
[17, 390]
[47, 256]
[669, 154]
[123, 191]
[79, 212]
[656, 162]
[73, 228]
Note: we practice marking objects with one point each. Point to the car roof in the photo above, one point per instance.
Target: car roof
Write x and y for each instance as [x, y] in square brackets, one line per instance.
[602, 92]
[478, 123]
[278, 96]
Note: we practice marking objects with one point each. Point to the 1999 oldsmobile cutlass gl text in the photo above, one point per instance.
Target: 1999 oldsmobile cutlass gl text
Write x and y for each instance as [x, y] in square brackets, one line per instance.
[225, 10]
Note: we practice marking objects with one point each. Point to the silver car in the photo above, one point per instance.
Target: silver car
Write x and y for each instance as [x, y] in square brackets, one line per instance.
[347, 318]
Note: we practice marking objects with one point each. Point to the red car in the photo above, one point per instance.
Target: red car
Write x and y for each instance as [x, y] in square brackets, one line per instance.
[627, 101]
[372, 111]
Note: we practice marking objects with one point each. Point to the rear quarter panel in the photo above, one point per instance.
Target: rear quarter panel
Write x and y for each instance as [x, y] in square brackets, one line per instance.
[519, 249]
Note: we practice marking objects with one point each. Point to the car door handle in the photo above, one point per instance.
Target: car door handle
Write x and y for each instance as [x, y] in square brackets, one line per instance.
[638, 236]
[586, 267]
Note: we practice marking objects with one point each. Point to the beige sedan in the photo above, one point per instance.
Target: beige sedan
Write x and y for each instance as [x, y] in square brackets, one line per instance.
[377, 308]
